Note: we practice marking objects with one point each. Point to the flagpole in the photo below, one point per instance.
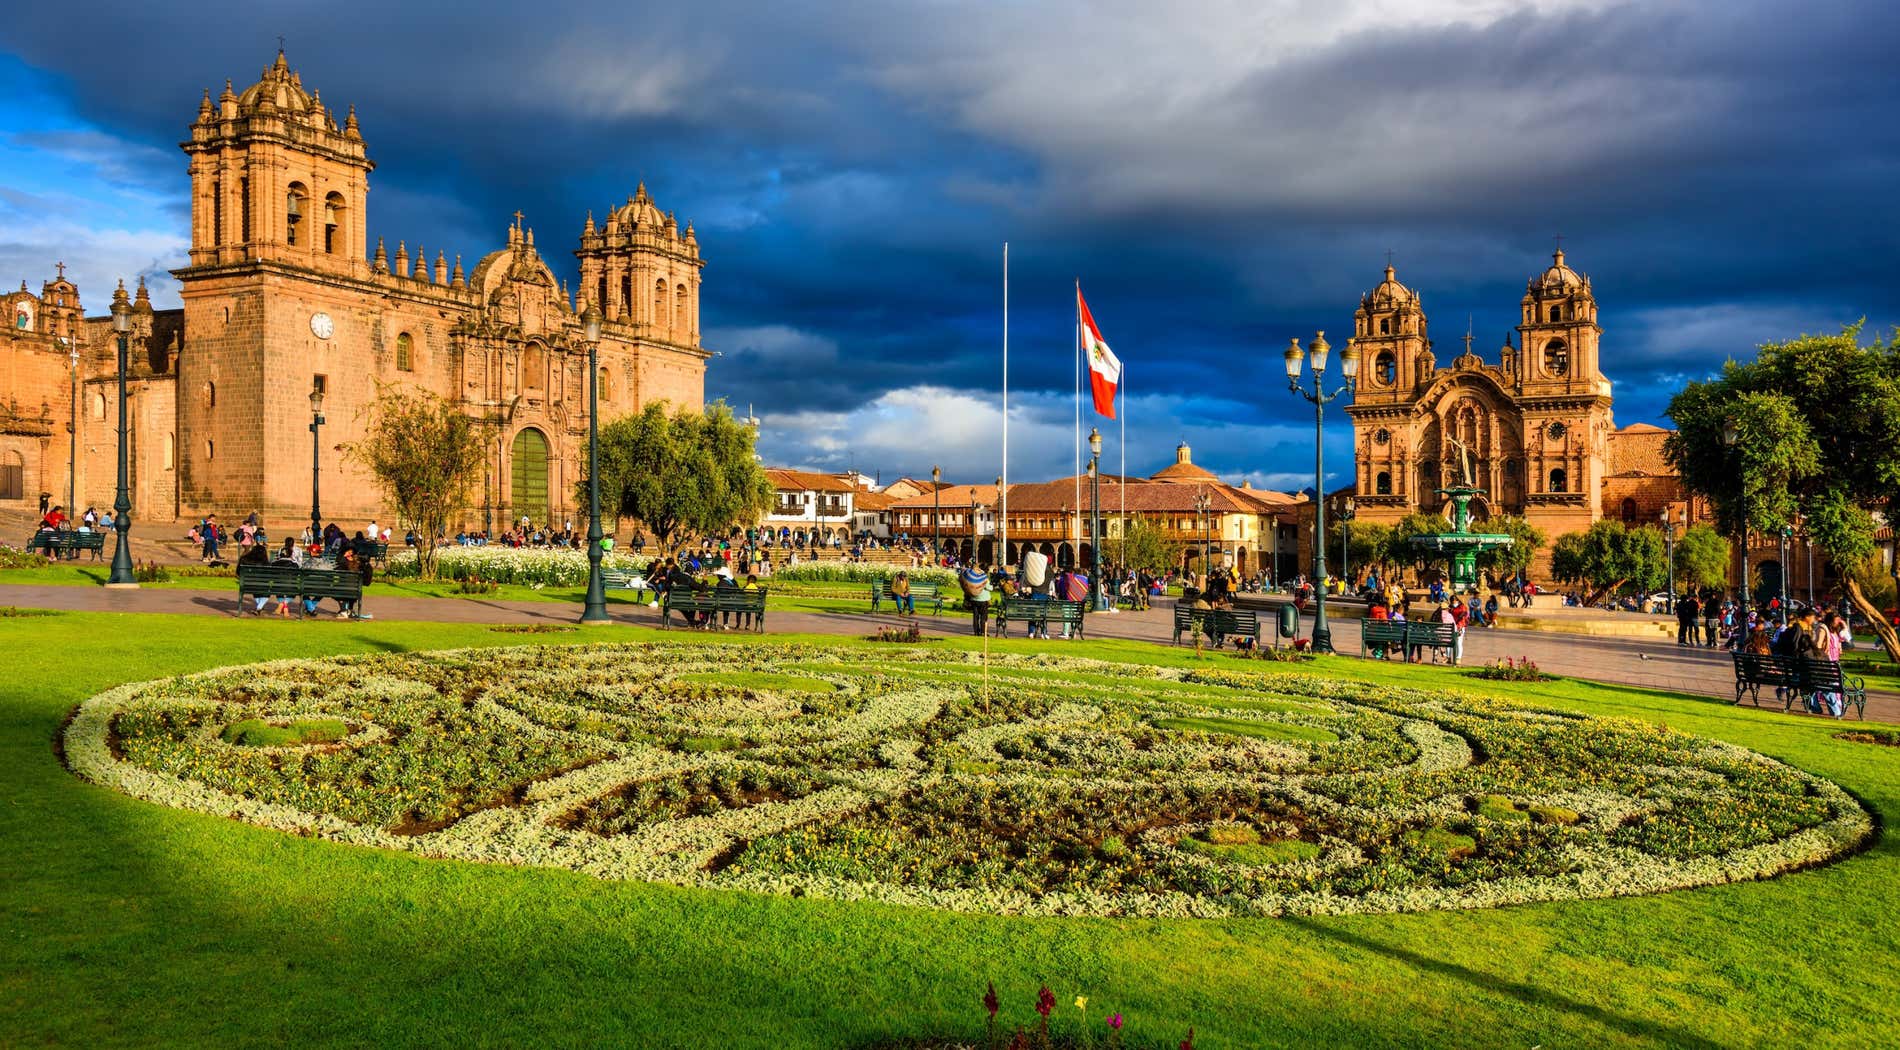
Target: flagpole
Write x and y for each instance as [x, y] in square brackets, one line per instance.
[1078, 409]
[1121, 446]
[1002, 522]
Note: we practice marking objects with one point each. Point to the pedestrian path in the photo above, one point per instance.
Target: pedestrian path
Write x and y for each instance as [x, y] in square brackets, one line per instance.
[1640, 663]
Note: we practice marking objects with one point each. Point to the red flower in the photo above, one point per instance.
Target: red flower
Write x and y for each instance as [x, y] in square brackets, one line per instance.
[1115, 1022]
[1188, 1043]
[1045, 1001]
[990, 1002]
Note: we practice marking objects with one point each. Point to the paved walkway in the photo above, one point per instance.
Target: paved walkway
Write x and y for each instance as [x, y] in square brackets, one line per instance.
[1623, 661]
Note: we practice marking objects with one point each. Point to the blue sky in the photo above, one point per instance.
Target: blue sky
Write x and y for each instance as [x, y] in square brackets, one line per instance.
[1220, 176]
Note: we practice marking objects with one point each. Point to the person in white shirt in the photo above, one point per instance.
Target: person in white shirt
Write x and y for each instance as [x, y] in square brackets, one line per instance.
[374, 529]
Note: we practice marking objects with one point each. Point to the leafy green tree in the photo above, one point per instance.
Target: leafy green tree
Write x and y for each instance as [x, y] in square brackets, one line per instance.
[1147, 546]
[1814, 421]
[1526, 541]
[425, 455]
[680, 473]
[1399, 548]
[1609, 557]
[1702, 557]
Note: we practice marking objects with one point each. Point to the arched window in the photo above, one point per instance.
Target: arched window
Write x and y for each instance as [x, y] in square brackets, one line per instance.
[211, 448]
[606, 384]
[217, 212]
[1383, 484]
[98, 406]
[533, 367]
[244, 208]
[1385, 368]
[405, 353]
[659, 301]
[1385, 326]
[171, 451]
[682, 317]
[600, 298]
[1629, 511]
[1556, 313]
[296, 200]
[211, 395]
[626, 295]
[1556, 359]
[333, 224]
[1559, 480]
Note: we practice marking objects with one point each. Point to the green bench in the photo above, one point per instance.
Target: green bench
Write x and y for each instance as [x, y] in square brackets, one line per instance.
[626, 580]
[288, 581]
[68, 543]
[1796, 678]
[373, 551]
[1411, 634]
[1216, 624]
[1040, 613]
[930, 594]
[720, 603]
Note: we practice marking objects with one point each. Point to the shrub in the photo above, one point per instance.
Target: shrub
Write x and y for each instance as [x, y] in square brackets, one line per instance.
[253, 732]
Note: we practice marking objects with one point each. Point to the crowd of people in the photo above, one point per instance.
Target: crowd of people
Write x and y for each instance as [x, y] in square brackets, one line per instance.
[56, 520]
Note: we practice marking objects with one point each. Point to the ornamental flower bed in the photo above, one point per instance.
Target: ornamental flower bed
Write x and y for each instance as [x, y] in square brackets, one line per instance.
[523, 565]
[859, 573]
[1043, 784]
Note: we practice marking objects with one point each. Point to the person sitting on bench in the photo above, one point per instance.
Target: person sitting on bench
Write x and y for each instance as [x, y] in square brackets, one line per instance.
[900, 595]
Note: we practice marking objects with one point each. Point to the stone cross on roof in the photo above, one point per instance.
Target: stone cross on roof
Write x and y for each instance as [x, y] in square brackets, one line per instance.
[61, 267]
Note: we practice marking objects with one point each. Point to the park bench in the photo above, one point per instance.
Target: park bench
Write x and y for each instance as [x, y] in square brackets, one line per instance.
[1216, 624]
[371, 551]
[930, 594]
[287, 581]
[1825, 676]
[68, 543]
[1754, 670]
[716, 603]
[1040, 612]
[625, 580]
[1377, 638]
[1430, 634]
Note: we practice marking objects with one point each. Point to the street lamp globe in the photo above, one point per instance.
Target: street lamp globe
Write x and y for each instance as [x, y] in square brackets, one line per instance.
[1729, 433]
[1318, 350]
[1349, 360]
[121, 315]
[316, 402]
[1095, 442]
[1293, 357]
[590, 323]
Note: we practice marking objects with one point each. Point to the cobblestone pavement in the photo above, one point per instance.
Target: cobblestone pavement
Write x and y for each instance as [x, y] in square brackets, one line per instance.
[1641, 663]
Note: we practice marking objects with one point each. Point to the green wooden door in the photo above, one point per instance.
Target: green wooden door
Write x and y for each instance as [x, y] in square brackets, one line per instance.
[531, 476]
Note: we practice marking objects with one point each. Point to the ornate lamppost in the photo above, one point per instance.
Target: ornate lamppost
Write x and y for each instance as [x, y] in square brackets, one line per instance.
[1669, 555]
[1729, 438]
[1317, 351]
[596, 610]
[936, 514]
[1347, 510]
[1782, 542]
[1095, 519]
[72, 461]
[122, 575]
[316, 460]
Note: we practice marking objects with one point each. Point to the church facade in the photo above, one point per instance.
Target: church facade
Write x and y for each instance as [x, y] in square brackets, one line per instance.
[1532, 431]
[284, 294]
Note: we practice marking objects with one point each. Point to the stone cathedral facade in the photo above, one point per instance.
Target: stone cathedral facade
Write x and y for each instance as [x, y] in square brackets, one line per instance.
[1532, 430]
[285, 293]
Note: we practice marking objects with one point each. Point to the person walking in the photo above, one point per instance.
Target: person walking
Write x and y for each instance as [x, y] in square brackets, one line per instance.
[976, 595]
[1711, 618]
[1688, 617]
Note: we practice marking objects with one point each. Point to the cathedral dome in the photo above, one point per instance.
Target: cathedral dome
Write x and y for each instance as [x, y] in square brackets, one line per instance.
[1183, 469]
[639, 210]
[1560, 279]
[278, 86]
[1390, 292]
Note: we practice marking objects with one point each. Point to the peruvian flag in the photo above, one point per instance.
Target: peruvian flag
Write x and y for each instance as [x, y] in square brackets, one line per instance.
[1105, 369]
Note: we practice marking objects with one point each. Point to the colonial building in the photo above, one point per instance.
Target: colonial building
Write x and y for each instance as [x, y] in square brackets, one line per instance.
[1533, 432]
[284, 295]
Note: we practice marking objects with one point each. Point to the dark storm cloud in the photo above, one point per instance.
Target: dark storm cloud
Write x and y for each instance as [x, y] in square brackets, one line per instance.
[1723, 171]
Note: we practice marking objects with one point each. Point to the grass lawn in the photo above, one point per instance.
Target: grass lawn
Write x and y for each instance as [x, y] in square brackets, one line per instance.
[130, 924]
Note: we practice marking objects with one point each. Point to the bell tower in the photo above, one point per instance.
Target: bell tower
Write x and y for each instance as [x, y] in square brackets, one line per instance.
[1394, 351]
[1559, 334]
[274, 178]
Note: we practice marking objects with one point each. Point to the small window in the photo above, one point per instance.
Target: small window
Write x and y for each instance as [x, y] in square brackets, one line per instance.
[98, 406]
[320, 384]
[333, 223]
[1629, 511]
[1385, 368]
[1556, 313]
[296, 199]
[1556, 359]
[211, 395]
[1559, 480]
[13, 477]
[606, 385]
[227, 315]
[405, 353]
[1385, 326]
[1383, 484]
[211, 449]
[171, 451]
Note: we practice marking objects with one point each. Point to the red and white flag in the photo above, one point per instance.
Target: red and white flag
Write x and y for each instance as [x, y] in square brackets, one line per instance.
[1105, 369]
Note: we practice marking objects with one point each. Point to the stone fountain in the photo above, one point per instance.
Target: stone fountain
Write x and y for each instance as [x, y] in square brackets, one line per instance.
[1461, 543]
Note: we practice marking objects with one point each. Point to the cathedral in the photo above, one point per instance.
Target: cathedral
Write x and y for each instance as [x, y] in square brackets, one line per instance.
[285, 295]
[1532, 431]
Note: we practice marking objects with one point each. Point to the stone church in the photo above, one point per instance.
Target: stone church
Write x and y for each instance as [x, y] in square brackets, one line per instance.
[1533, 430]
[284, 294]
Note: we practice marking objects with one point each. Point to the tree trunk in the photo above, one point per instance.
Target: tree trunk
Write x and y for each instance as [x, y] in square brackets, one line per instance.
[1889, 638]
[1601, 592]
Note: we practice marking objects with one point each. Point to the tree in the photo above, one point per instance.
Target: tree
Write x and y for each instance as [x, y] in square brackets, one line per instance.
[1702, 557]
[680, 473]
[426, 455]
[1814, 421]
[1147, 546]
[1609, 556]
[1399, 548]
[1526, 541]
